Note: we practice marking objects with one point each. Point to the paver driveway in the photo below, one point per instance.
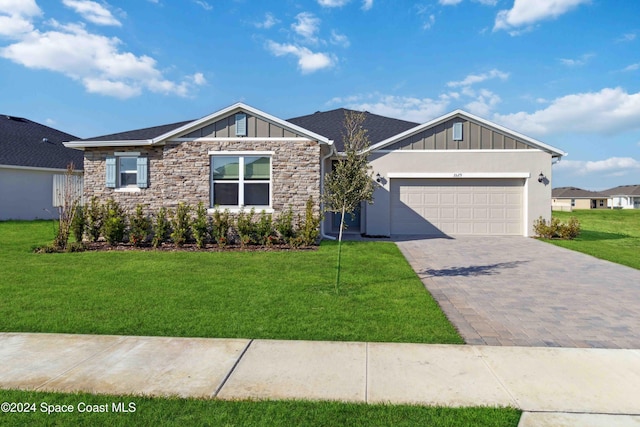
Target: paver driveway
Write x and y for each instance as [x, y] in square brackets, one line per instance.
[519, 291]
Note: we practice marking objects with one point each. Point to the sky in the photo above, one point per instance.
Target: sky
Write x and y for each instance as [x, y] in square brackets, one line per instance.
[565, 72]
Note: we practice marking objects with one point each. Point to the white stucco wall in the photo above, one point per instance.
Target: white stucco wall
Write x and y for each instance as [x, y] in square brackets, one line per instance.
[26, 194]
[459, 164]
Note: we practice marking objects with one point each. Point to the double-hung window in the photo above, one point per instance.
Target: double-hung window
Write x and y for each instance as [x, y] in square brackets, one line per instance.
[126, 170]
[241, 180]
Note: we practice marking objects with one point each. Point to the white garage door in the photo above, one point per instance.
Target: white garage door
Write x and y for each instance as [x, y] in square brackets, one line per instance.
[457, 206]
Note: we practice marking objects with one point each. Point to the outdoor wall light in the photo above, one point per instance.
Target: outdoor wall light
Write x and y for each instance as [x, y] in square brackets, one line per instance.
[378, 177]
[541, 177]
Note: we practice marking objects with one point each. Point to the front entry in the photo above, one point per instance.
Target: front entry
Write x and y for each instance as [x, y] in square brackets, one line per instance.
[352, 223]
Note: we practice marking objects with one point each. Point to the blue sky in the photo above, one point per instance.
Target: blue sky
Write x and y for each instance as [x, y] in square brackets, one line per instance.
[566, 72]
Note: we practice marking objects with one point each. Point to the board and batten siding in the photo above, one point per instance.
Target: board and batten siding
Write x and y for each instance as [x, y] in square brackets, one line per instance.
[256, 128]
[474, 137]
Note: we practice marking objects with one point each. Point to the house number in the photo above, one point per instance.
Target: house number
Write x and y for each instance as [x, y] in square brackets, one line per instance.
[457, 175]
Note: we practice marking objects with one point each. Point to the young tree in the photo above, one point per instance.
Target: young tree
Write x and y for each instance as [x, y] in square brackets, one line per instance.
[350, 182]
[69, 199]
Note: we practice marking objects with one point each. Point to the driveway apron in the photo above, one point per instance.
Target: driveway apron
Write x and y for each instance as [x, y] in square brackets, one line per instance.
[518, 291]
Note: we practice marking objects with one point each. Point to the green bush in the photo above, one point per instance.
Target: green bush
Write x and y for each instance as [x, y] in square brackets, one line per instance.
[200, 228]
[181, 223]
[284, 226]
[160, 228]
[309, 227]
[94, 219]
[114, 222]
[139, 226]
[246, 227]
[221, 227]
[78, 224]
[556, 229]
[265, 233]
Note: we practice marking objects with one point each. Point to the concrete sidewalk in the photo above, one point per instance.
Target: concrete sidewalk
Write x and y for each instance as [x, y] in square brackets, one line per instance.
[553, 386]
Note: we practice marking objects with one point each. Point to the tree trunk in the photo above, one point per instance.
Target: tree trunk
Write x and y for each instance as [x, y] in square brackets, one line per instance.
[340, 246]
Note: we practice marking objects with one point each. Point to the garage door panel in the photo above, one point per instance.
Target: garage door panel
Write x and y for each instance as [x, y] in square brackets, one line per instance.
[456, 206]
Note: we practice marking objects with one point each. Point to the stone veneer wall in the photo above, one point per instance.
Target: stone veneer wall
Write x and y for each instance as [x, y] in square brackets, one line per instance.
[180, 172]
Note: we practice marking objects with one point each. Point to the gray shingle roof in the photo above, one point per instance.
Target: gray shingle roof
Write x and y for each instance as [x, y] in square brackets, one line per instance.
[30, 144]
[623, 190]
[330, 124]
[576, 193]
[139, 134]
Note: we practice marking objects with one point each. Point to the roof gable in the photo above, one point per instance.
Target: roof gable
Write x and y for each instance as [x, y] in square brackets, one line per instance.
[517, 140]
[29, 144]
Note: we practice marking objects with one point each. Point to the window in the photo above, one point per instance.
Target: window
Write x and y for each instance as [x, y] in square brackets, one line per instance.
[573, 202]
[126, 171]
[238, 181]
[601, 203]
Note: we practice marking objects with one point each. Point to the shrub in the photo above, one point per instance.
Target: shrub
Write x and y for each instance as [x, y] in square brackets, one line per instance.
[264, 229]
[94, 219]
[160, 228]
[246, 227]
[200, 226]
[139, 226]
[284, 226]
[114, 222]
[78, 224]
[556, 229]
[309, 227]
[221, 227]
[181, 222]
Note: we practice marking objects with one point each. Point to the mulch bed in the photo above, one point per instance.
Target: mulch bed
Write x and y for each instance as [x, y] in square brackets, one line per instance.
[191, 247]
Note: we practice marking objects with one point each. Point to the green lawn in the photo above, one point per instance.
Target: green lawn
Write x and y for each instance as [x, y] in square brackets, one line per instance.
[192, 412]
[269, 295]
[613, 235]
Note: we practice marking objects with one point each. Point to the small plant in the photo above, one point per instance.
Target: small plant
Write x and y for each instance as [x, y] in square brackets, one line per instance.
[246, 227]
[139, 226]
[221, 227]
[264, 229]
[78, 224]
[94, 218]
[309, 227]
[556, 229]
[200, 226]
[69, 201]
[114, 223]
[284, 226]
[160, 228]
[181, 222]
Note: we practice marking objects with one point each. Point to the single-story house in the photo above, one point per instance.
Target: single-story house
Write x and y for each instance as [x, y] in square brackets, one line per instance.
[570, 198]
[31, 156]
[624, 197]
[457, 174]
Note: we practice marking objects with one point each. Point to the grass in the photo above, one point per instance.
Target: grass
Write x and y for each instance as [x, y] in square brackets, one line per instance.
[613, 235]
[181, 412]
[268, 295]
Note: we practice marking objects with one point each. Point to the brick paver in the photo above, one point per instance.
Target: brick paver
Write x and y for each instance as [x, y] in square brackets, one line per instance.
[517, 291]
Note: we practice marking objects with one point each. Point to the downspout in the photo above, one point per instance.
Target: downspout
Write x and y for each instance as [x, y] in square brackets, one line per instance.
[322, 163]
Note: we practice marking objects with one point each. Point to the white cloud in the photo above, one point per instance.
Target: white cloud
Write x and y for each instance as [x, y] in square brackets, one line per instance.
[632, 67]
[449, 2]
[577, 62]
[92, 59]
[16, 16]
[616, 165]
[339, 39]
[367, 4]
[488, 2]
[92, 12]
[268, 22]
[478, 78]
[308, 61]
[428, 23]
[203, 4]
[20, 7]
[333, 3]
[50, 121]
[198, 79]
[611, 110]
[307, 25]
[527, 12]
[629, 37]
[483, 104]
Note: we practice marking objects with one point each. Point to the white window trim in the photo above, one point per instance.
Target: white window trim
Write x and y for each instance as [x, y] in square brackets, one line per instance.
[133, 188]
[127, 189]
[241, 181]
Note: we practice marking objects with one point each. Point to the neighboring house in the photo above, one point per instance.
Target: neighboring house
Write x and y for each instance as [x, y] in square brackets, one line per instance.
[31, 155]
[458, 174]
[570, 198]
[624, 197]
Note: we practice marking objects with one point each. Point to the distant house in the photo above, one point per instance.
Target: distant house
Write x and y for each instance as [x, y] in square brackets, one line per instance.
[31, 155]
[571, 198]
[624, 197]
